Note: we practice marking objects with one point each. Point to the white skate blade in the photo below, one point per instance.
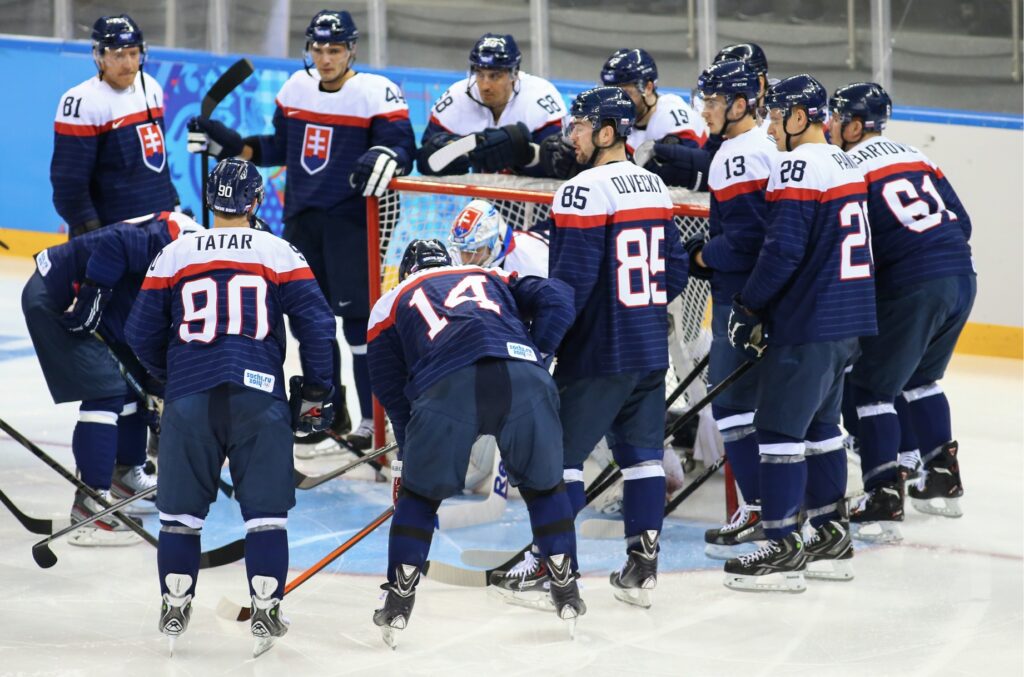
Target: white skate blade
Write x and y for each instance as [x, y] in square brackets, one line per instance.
[724, 552]
[171, 639]
[633, 596]
[876, 532]
[789, 582]
[262, 646]
[830, 570]
[539, 600]
[92, 537]
[943, 507]
[570, 621]
[140, 507]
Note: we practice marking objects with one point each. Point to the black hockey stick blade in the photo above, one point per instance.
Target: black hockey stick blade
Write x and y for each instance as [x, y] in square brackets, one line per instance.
[231, 78]
[225, 554]
[32, 524]
[304, 481]
[43, 556]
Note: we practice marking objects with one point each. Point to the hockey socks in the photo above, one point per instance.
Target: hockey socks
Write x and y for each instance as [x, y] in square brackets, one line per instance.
[551, 519]
[738, 435]
[783, 473]
[95, 440]
[178, 552]
[574, 489]
[826, 479]
[643, 499]
[879, 438]
[266, 552]
[412, 528]
[929, 412]
[132, 435]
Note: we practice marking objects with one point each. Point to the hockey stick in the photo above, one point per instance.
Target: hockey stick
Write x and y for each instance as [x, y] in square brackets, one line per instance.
[236, 612]
[444, 156]
[704, 401]
[614, 528]
[471, 513]
[304, 481]
[41, 552]
[232, 552]
[34, 525]
[685, 383]
[225, 84]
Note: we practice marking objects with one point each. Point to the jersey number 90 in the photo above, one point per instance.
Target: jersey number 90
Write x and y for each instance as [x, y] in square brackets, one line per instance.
[639, 261]
[201, 308]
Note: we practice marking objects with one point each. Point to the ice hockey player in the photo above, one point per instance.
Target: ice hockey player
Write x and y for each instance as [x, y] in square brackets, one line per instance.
[737, 179]
[483, 238]
[808, 298]
[99, 273]
[450, 360]
[514, 116]
[925, 286]
[660, 118]
[615, 243]
[109, 156]
[686, 166]
[342, 135]
[210, 320]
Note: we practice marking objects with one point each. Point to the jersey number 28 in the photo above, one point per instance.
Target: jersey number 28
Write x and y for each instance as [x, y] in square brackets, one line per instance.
[639, 261]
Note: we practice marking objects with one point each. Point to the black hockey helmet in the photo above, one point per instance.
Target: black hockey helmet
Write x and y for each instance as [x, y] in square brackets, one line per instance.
[422, 254]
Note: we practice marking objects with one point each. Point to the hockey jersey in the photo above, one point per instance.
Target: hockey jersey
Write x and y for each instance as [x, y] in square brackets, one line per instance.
[672, 116]
[319, 136]
[616, 244]
[814, 276]
[109, 156]
[737, 180]
[115, 257]
[919, 228]
[440, 320]
[211, 311]
[536, 103]
[526, 255]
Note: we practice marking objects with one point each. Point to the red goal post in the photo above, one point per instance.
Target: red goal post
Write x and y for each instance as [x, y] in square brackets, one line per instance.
[417, 207]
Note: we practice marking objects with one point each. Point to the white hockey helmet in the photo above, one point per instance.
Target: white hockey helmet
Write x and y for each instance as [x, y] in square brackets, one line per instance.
[479, 226]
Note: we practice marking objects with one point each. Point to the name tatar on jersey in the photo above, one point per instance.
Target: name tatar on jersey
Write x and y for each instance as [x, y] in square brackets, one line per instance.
[94, 108]
[671, 117]
[536, 104]
[364, 97]
[742, 165]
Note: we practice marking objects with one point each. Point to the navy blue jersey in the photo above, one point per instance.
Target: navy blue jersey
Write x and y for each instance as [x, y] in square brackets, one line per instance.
[109, 158]
[813, 278]
[115, 257]
[440, 320]
[211, 311]
[737, 180]
[919, 228]
[319, 136]
[615, 243]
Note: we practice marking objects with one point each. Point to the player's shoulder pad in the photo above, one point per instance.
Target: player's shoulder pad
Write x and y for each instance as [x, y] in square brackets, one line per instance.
[543, 104]
[880, 156]
[297, 87]
[453, 105]
[741, 160]
[814, 172]
[84, 105]
[380, 93]
[153, 86]
[584, 195]
[673, 115]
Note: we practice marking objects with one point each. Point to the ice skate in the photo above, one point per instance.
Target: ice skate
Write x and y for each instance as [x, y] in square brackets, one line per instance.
[639, 575]
[361, 439]
[398, 602]
[875, 516]
[129, 480]
[525, 584]
[778, 566]
[829, 551]
[176, 609]
[267, 623]
[108, 531]
[565, 591]
[938, 489]
[337, 445]
[738, 537]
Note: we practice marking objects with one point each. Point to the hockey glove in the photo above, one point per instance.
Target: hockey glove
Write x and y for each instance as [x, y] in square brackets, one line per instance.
[746, 330]
[558, 158]
[693, 247]
[502, 148]
[84, 316]
[374, 170]
[396, 480]
[680, 165]
[312, 406]
[434, 144]
[213, 137]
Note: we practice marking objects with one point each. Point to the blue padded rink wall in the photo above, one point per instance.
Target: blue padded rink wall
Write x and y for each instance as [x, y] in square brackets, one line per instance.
[947, 601]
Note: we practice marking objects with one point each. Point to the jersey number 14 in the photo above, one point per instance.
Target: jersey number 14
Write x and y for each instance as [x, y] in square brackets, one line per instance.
[471, 289]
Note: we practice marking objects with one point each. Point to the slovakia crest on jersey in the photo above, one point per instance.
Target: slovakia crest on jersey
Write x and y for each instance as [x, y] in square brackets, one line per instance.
[316, 147]
[154, 153]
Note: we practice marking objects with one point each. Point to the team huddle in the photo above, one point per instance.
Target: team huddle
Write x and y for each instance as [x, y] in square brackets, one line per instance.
[839, 268]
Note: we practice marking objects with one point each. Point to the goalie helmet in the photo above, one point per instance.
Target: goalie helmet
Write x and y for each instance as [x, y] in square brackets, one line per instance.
[330, 26]
[605, 104]
[235, 187]
[745, 51]
[495, 51]
[116, 32]
[421, 254]
[478, 226]
[629, 66]
[866, 101]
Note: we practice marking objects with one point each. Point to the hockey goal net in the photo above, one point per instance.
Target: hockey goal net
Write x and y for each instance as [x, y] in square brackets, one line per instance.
[418, 208]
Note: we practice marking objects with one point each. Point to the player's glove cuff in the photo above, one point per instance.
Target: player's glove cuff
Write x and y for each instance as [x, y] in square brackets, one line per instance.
[374, 170]
[84, 317]
[223, 142]
[746, 330]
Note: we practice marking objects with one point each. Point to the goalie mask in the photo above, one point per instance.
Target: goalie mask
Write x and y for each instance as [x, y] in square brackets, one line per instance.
[480, 234]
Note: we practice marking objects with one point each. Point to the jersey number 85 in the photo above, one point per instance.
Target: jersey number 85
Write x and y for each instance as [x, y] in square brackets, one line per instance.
[640, 260]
